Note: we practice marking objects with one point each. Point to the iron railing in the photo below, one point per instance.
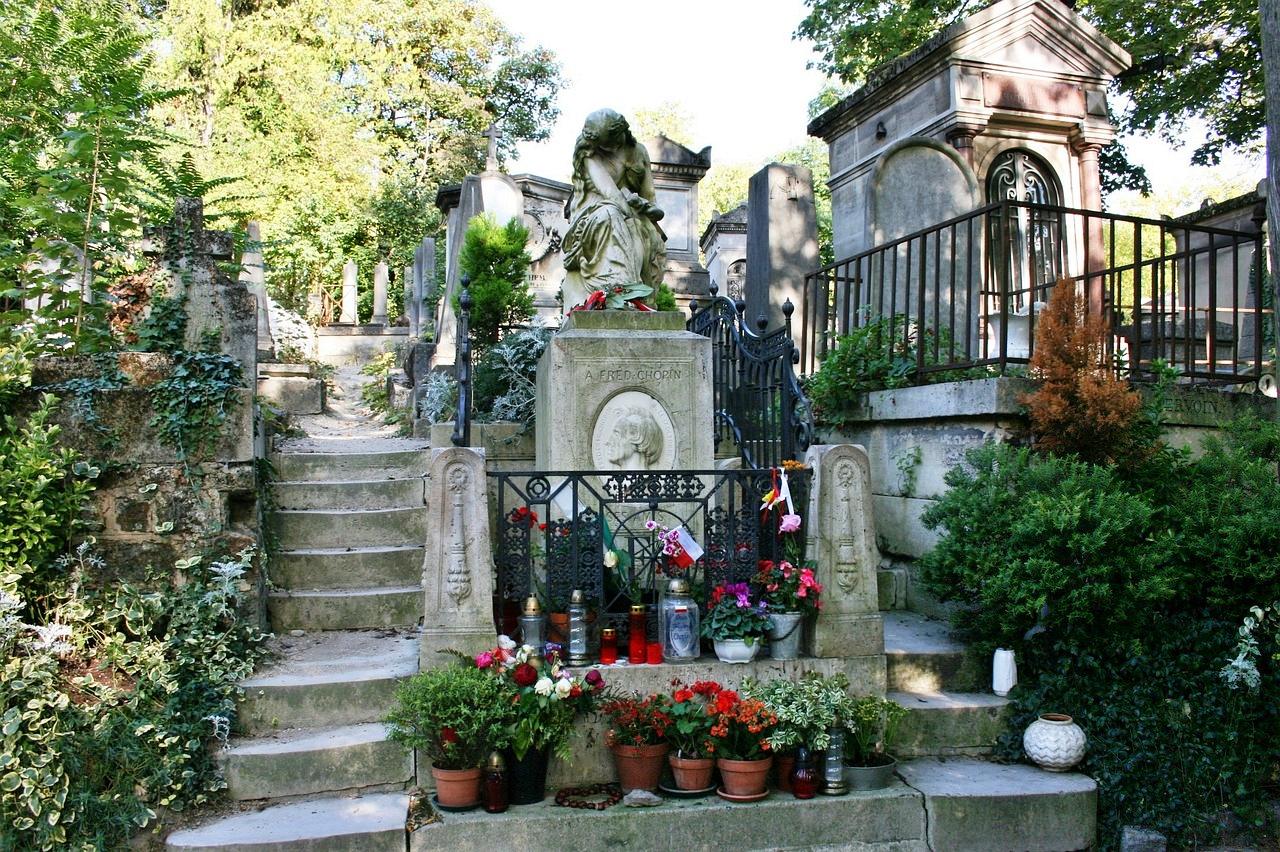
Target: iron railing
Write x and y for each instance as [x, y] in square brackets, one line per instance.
[759, 404]
[964, 294]
[553, 529]
[462, 417]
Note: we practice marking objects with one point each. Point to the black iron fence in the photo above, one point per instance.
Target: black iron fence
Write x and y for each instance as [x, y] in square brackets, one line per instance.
[964, 295]
[759, 404]
[601, 532]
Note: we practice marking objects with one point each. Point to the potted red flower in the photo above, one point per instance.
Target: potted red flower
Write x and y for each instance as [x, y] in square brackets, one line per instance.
[637, 738]
[792, 594]
[741, 736]
[693, 712]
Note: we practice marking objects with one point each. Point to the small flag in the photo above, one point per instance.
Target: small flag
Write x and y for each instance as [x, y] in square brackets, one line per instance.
[690, 550]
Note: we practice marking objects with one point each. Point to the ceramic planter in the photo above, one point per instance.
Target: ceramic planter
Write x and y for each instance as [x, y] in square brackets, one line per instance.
[639, 767]
[527, 777]
[692, 773]
[457, 788]
[736, 650]
[785, 631]
[785, 763]
[744, 777]
[870, 777]
[1054, 742]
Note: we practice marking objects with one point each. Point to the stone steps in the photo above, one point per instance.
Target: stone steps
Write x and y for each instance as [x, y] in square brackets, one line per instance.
[349, 494]
[374, 822]
[921, 656]
[330, 528]
[307, 761]
[346, 609]
[344, 460]
[344, 567]
[325, 679]
[948, 723]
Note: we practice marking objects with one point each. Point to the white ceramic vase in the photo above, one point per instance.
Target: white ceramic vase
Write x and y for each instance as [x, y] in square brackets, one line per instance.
[1054, 742]
[1004, 672]
[736, 650]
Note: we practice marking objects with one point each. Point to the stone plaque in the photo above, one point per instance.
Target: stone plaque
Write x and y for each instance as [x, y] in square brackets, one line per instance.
[633, 432]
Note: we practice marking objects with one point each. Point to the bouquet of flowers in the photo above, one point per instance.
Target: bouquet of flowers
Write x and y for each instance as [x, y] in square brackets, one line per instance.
[692, 713]
[742, 727]
[637, 721]
[788, 588]
[546, 696]
[731, 614]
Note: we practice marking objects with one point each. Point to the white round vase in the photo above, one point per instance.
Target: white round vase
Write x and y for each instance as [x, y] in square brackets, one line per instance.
[736, 650]
[1054, 742]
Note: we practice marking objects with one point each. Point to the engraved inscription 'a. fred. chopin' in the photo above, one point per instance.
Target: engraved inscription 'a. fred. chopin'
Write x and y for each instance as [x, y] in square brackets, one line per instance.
[634, 374]
[633, 432]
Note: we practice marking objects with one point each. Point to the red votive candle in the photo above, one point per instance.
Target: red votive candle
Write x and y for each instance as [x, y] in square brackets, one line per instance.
[654, 655]
[636, 640]
[608, 646]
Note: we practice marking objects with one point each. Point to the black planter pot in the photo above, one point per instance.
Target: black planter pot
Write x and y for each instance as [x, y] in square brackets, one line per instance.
[527, 777]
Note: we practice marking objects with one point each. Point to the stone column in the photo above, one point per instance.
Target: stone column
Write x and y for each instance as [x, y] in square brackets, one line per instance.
[349, 311]
[253, 276]
[410, 306]
[782, 239]
[380, 294]
[423, 284]
[961, 138]
[1095, 255]
[458, 566]
[842, 542]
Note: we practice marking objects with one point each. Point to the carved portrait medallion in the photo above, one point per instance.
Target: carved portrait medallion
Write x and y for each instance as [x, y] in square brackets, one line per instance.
[633, 432]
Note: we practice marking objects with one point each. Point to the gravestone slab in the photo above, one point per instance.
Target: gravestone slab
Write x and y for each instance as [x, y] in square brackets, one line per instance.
[782, 239]
[625, 390]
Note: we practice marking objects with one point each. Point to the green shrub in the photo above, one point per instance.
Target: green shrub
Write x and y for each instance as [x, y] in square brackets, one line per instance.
[506, 375]
[494, 258]
[1122, 591]
[455, 714]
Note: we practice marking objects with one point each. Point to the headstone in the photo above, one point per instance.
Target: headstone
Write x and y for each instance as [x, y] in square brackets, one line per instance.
[544, 216]
[724, 244]
[379, 294]
[217, 306]
[424, 281]
[677, 171]
[408, 278]
[458, 564]
[842, 539]
[253, 276]
[349, 293]
[461, 205]
[782, 239]
[636, 388]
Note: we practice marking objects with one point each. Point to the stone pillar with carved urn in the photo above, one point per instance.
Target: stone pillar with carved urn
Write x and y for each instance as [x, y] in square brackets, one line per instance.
[457, 570]
[842, 543]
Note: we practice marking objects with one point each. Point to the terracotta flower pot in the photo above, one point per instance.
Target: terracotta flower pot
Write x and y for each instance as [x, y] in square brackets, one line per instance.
[457, 788]
[558, 631]
[639, 767]
[744, 777]
[692, 773]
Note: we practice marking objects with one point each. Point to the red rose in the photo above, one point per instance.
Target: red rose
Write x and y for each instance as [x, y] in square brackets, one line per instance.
[594, 679]
[448, 736]
[525, 675]
[575, 691]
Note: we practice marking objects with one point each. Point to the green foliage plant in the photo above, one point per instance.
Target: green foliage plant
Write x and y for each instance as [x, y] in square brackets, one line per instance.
[873, 721]
[493, 256]
[456, 714]
[507, 374]
[807, 708]
[1122, 591]
[191, 404]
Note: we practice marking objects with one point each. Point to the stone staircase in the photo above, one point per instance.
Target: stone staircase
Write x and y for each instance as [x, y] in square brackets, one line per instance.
[312, 767]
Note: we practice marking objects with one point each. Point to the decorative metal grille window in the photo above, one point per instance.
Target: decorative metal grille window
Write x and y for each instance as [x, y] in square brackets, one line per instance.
[1027, 245]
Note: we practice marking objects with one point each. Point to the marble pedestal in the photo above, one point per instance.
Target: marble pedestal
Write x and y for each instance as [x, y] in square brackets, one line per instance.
[625, 390]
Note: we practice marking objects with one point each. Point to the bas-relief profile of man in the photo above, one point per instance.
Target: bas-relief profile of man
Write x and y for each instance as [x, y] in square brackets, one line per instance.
[636, 441]
[613, 238]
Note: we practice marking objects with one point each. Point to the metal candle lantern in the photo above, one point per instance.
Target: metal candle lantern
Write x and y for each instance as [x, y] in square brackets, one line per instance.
[833, 771]
[678, 623]
[578, 629]
[533, 624]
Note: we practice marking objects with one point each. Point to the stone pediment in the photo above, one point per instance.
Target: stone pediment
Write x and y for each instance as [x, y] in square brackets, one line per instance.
[1038, 36]
[669, 155]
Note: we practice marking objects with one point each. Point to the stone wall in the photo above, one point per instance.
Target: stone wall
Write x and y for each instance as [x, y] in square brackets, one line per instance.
[913, 436]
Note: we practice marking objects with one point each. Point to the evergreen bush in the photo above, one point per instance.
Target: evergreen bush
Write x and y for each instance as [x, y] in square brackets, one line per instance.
[493, 256]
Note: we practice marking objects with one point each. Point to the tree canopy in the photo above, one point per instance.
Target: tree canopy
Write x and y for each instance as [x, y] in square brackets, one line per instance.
[1191, 59]
[344, 116]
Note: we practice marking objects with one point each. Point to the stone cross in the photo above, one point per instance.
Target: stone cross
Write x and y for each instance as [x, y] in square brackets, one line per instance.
[493, 134]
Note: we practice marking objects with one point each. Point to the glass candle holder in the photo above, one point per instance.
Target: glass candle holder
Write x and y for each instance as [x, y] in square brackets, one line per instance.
[608, 646]
[804, 777]
[653, 653]
[833, 768]
[533, 624]
[636, 642]
[578, 629]
[678, 623]
[493, 793]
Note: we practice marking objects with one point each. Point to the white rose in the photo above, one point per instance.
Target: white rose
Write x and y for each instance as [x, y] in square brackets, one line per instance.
[543, 686]
[610, 559]
[563, 688]
[506, 643]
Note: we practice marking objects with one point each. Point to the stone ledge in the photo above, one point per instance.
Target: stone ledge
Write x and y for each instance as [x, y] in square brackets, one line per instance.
[364, 330]
[624, 321]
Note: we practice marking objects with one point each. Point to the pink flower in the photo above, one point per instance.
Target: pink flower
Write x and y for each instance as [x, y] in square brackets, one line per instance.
[772, 587]
[484, 660]
[802, 592]
[789, 523]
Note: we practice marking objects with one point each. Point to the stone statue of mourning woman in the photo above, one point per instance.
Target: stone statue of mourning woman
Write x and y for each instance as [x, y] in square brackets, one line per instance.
[614, 245]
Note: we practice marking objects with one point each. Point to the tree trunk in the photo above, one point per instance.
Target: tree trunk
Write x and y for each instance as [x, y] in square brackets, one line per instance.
[1270, 13]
